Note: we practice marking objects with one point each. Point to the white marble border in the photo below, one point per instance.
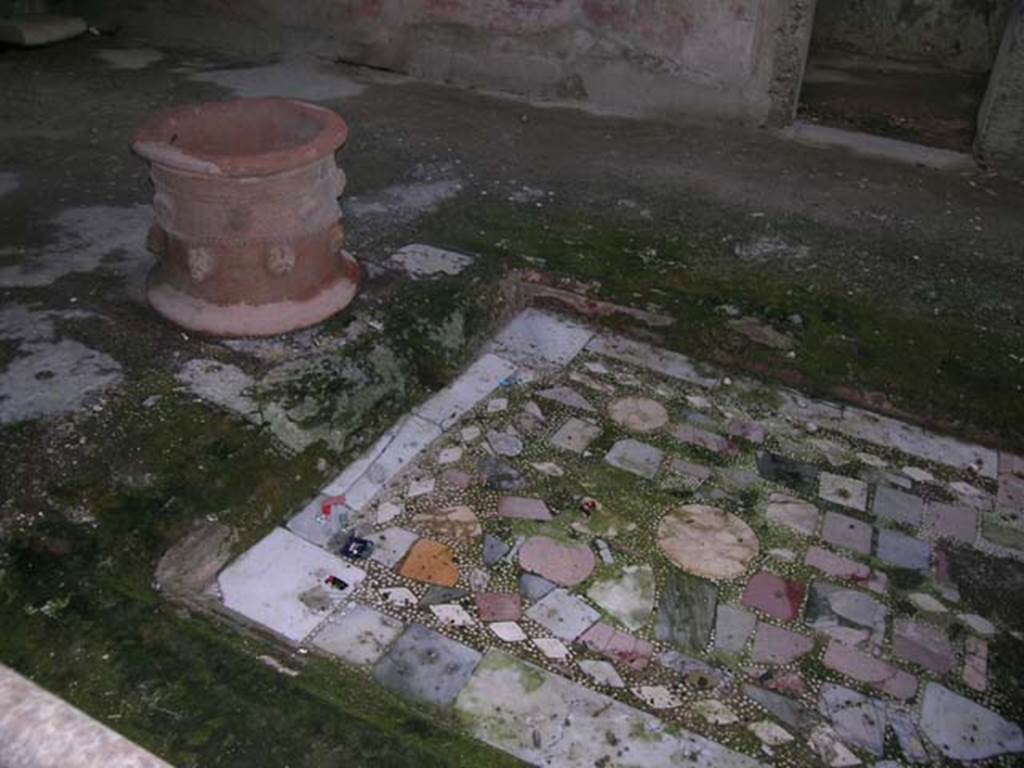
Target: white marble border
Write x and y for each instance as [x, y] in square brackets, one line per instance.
[537, 341]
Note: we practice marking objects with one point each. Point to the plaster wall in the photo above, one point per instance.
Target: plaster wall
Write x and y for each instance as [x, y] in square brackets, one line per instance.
[742, 60]
[731, 58]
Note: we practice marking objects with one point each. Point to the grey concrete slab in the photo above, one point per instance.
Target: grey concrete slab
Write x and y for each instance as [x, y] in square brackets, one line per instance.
[427, 666]
[898, 506]
[401, 444]
[566, 396]
[964, 730]
[348, 476]
[911, 439]
[575, 435]
[541, 339]
[830, 607]
[467, 391]
[635, 457]
[644, 355]
[857, 719]
[844, 491]
[534, 587]
[733, 626]
[903, 551]
[390, 545]
[563, 614]
[358, 634]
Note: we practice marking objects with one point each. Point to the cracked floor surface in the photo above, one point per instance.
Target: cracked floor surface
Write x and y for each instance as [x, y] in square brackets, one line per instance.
[124, 439]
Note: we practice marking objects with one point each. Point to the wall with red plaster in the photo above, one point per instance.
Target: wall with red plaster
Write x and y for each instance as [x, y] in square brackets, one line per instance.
[690, 56]
[708, 41]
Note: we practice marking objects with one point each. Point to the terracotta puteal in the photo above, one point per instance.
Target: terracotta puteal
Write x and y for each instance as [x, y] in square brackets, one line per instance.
[248, 228]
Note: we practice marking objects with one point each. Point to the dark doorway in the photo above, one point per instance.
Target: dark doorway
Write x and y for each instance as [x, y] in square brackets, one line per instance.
[914, 70]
